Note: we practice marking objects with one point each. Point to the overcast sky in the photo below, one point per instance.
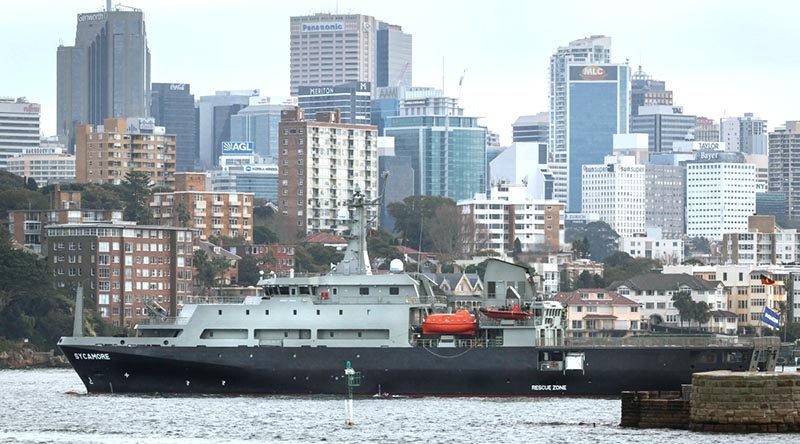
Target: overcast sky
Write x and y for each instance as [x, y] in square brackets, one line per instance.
[719, 57]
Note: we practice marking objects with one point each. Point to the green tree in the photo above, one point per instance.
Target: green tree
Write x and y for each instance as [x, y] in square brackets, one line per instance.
[31, 184]
[682, 301]
[209, 270]
[383, 245]
[413, 214]
[102, 197]
[248, 270]
[136, 192]
[262, 234]
[580, 248]
[315, 258]
[585, 280]
[701, 312]
[601, 238]
[621, 266]
[183, 214]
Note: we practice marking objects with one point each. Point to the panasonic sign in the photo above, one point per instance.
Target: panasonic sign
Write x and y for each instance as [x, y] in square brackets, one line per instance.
[322, 27]
[237, 147]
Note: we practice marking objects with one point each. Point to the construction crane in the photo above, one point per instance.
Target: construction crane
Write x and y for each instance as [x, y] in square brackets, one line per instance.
[403, 74]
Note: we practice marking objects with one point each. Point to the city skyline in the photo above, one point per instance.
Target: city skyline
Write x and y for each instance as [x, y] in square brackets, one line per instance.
[713, 67]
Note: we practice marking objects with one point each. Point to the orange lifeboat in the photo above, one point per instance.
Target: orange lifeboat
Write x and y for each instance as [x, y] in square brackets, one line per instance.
[461, 322]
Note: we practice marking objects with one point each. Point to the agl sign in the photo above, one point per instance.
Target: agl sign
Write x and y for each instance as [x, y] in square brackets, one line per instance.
[237, 147]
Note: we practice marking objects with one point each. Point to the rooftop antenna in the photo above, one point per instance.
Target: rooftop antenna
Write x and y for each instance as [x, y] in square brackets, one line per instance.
[108, 5]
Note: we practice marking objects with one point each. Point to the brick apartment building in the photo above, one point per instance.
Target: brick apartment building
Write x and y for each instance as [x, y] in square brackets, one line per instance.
[321, 164]
[104, 153]
[208, 213]
[122, 266]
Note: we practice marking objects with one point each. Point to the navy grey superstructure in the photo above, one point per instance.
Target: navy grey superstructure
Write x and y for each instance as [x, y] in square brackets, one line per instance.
[297, 337]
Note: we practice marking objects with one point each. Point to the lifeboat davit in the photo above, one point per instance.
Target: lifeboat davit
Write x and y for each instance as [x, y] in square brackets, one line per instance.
[461, 322]
[515, 313]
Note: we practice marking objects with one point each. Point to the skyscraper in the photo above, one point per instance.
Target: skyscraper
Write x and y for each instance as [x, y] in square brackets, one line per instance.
[596, 109]
[747, 134]
[106, 74]
[393, 66]
[259, 124]
[172, 106]
[329, 49]
[595, 49]
[706, 130]
[663, 124]
[647, 91]
[784, 175]
[19, 128]
[214, 122]
[351, 99]
[446, 148]
[534, 128]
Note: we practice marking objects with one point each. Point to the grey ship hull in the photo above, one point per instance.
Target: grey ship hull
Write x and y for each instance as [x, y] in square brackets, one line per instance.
[417, 371]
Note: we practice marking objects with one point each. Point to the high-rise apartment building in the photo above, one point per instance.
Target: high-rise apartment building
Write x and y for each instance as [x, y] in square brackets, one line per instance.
[706, 130]
[122, 266]
[597, 102]
[207, 213]
[720, 194]
[507, 217]
[172, 106]
[393, 53]
[214, 123]
[322, 163]
[351, 99]
[590, 50]
[535, 128]
[104, 153]
[747, 134]
[615, 190]
[19, 127]
[784, 173]
[646, 91]
[663, 125]
[259, 124]
[106, 74]
[329, 49]
[665, 202]
[446, 148]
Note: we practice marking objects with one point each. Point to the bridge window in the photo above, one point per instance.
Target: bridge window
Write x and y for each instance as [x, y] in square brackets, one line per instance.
[394, 290]
[363, 290]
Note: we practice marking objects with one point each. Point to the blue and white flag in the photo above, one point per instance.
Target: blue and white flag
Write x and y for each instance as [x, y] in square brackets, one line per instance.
[771, 318]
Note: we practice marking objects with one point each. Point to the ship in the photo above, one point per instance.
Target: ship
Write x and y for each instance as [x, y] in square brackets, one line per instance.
[398, 331]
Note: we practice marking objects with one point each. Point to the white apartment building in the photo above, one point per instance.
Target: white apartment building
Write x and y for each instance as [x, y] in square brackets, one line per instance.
[329, 49]
[720, 194]
[593, 49]
[497, 221]
[616, 192]
[763, 243]
[652, 245]
[45, 164]
[19, 127]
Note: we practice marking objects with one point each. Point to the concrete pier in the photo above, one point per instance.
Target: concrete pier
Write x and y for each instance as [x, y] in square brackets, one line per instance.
[721, 401]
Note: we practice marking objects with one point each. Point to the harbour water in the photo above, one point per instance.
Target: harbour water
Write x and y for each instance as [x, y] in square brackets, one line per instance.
[51, 406]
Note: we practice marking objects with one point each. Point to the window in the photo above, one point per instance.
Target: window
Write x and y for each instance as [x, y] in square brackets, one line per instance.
[491, 290]
[394, 290]
[363, 291]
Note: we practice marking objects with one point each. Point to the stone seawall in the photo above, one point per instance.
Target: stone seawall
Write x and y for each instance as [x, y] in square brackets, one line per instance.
[724, 401]
[654, 410]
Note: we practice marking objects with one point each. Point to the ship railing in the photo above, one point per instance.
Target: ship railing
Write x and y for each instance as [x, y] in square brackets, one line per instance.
[166, 320]
[493, 322]
[214, 299]
[674, 341]
[460, 343]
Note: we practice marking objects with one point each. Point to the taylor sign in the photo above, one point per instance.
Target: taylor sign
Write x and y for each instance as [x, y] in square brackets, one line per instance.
[237, 147]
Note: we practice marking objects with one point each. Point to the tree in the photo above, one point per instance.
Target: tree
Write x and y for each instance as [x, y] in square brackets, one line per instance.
[585, 280]
[682, 301]
[102, 197]
[601, 238]
[262, 234]
[209, 270]
[248, 270]
[580, 248]
[383, 245]
[31, 184]
[136, 192]
[701, 312]
[413, 214]
[315, 258]
[621, 266]
[183, 214]
[443, 229]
